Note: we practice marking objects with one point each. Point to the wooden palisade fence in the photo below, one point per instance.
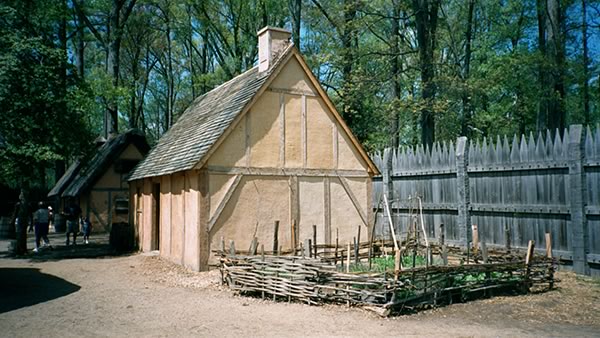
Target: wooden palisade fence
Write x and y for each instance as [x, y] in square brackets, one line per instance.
[513, 190]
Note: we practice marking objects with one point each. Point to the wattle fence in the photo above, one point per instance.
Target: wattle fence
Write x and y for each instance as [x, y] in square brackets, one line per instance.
[513, 190]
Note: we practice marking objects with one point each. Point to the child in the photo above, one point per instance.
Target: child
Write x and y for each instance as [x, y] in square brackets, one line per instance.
[86, 229]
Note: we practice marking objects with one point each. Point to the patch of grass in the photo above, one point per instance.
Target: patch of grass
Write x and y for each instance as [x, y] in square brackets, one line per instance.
[594, 281]
[382, 264]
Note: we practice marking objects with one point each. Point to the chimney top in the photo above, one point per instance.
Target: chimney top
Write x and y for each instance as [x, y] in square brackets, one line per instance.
[271, 42]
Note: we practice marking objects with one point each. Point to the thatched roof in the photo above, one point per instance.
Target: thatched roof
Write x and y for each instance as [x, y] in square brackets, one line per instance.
[102, 160]
[202, 124]
[65, 179]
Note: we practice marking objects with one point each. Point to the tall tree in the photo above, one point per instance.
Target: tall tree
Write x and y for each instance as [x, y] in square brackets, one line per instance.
[466, 97]
[111, 41]
[426, 19]
[295, 7]
[586, 62]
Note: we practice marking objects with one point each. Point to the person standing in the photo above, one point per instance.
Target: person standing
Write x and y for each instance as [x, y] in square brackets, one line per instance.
[86, 228]
[72, 213]
[41, 219]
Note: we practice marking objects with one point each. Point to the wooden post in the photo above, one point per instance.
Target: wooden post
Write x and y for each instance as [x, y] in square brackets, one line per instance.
[302, 250]
[464, 201]
[397, 264]
[357, 246]
[222, 245]
[528, 260]
[445, 254]
[507, 236]
[356, 258]
[442, 235]
[314, 242]
[294, 244]
[307, 248]
[549, 255]
[388, 186]
[348, 259]
[337, 239]
[548, 245]
[262, 252]
[231, 248]
[475, 233]
[578, 187]
[275, 237]
[484, 251]
[253, 246]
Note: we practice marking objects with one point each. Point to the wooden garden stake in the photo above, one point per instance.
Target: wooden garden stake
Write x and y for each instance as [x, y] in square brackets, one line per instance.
[253, 246]
[355, 251]
[357, 245]
[348, 259]
[314, 241]
[231, 248]
[307, 248]
[549, 255]
[275, 237]
[484, 251]
[337, 232]
[397, 265]
[475, 240]
[222, 245]
[294, 243]
[528, 260]
[548, 245]
[507, 237]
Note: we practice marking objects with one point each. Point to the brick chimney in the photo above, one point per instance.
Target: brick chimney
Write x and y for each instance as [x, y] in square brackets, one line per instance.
[271, 42]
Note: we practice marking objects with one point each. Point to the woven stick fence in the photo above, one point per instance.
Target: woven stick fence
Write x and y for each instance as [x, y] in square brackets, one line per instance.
[314, 281]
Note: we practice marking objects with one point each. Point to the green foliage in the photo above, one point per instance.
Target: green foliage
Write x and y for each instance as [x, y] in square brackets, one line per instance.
[41, 108]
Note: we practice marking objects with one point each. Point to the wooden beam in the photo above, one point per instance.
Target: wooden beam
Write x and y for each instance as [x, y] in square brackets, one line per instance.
[247, 139]
[291, 91]
[203, 220]
[335, 146]
[280, 65]
[294, 199]
[287, 172]
[303, 139]
[327, 210]
[281, 130]
[365, 157]
[224, 201]
[355, 202]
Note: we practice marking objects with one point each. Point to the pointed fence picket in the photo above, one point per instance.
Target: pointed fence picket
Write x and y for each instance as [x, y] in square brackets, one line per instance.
[530, 185]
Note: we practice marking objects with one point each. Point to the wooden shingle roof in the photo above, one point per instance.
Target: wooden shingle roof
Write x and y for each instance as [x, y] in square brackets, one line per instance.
[65, 179]
[201, 125]
[103, 159]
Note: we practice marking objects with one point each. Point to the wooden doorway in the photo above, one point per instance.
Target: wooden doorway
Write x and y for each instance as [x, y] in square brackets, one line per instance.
[155, 217]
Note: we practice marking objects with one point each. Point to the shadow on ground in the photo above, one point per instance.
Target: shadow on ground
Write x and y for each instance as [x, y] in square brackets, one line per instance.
[98, 247]
[21, 287]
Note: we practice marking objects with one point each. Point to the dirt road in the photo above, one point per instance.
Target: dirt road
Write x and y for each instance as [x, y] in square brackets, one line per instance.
[143, 296]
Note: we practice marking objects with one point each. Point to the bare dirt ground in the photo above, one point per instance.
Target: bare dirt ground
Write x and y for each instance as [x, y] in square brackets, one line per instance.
[72, 292]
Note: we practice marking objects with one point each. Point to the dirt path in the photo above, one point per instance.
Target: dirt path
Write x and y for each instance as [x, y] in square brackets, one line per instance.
[142, 296]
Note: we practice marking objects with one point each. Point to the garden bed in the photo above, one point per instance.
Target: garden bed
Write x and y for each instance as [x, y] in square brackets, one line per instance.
[384, 288]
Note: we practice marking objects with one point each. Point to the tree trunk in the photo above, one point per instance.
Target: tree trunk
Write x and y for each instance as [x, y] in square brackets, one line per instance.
[22, 222]
[350, 101]
[80, 45]
[295, 7]
[542, 115]
[113, 63]
[426, 13]
[556, 53]
[586, 62]
[396, 68]
[466, 97]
